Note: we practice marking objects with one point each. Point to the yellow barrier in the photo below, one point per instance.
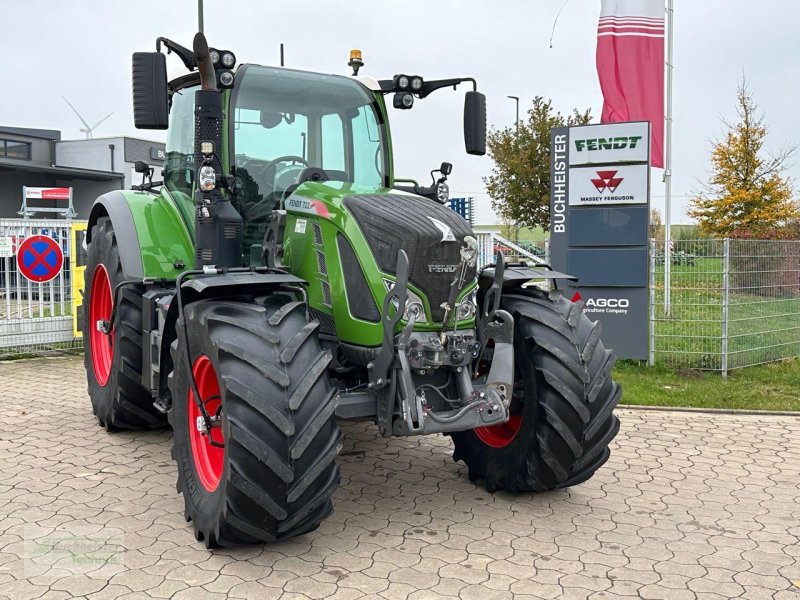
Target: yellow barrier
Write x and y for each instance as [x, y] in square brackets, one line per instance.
[78, 268]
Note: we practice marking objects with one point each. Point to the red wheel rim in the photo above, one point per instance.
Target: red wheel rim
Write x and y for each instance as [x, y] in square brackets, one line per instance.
[100, 303]
[500, 436]
[208, 459]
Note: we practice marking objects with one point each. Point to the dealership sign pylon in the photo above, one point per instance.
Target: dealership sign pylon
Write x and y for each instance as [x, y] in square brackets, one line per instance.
[600, 216]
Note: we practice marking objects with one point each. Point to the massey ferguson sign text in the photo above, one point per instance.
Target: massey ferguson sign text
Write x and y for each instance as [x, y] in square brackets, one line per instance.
[611, 184]
[609, 143]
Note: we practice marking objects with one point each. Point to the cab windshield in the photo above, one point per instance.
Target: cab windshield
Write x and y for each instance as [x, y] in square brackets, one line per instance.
[285, 122]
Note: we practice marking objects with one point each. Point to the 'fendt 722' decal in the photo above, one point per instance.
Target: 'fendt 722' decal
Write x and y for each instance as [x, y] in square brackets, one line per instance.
[308, 206]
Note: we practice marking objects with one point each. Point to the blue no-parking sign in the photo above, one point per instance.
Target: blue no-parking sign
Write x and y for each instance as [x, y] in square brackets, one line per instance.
[40, 258]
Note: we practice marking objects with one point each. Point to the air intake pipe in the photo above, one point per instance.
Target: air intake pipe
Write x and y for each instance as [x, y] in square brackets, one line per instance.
[218, 226]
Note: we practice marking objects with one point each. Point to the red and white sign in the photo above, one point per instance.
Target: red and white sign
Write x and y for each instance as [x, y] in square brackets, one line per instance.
[604, 185]
[630, 65]
[47, 193]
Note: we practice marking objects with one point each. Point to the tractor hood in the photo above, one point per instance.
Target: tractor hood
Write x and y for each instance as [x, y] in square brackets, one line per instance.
[378, 222]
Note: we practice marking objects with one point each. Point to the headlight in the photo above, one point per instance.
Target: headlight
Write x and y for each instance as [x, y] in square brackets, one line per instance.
[228, 59]
[403, 100]
[226, 79]
[414, 305]
[443, 192]
[467, 308]
[416, 83]
[208, 178]
[402, 82]
[416, 310]
[214, 57]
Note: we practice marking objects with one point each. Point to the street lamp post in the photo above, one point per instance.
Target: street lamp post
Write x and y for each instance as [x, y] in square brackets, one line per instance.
[516, 99]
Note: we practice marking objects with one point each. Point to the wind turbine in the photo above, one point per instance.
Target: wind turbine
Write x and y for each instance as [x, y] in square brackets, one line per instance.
[86, 129]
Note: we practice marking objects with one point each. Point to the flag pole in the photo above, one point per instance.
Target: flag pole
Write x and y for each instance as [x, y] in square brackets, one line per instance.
[668, 168]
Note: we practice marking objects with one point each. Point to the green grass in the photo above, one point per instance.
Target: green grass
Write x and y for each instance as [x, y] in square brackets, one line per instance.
[775, 386]
[761, 328]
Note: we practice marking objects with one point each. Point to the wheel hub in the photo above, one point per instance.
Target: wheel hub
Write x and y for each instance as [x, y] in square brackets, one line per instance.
[101, 337]
[207, 443]
[500, 436]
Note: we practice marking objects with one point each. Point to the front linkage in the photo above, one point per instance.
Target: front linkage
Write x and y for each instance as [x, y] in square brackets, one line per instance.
[481, 403]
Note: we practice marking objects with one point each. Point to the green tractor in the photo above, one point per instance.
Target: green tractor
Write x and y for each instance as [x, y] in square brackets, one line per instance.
[281, 278]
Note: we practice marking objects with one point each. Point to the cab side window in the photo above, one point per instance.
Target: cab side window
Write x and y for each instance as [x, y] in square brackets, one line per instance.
[179, 163]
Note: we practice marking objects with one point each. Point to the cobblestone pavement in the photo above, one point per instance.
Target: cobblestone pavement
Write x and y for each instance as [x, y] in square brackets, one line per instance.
[689, 506]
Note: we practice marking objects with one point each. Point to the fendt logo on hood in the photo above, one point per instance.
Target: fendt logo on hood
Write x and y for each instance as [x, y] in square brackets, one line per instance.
[607, 180]
[612, 143]
[447, 233]
[439, 267]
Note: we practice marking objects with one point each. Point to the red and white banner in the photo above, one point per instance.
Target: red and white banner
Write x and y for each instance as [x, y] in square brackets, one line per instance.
[630, 65]
[47, 193]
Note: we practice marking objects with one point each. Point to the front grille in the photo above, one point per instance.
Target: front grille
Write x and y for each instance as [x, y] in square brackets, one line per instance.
[391, 222]
[359, 297]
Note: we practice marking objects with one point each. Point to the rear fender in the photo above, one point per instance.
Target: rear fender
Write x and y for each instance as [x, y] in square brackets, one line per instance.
[153, 238]
[115, 206]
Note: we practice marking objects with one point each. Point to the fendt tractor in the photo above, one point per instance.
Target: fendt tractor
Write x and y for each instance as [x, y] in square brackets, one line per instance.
[281, 278]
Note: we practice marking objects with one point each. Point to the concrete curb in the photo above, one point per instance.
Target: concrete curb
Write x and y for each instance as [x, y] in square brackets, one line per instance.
[719, 411]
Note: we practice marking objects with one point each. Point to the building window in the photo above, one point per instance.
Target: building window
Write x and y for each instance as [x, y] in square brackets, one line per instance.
[15, 149]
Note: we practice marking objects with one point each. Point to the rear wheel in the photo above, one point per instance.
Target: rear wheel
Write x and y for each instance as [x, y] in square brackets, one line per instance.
[114, 362]
[268, 471]
[562, 417]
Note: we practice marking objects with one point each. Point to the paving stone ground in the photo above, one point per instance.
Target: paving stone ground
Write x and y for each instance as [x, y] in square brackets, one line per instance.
[700, 506]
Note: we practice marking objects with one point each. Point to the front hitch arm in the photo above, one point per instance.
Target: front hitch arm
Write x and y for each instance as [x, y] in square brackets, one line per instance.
[378, 369]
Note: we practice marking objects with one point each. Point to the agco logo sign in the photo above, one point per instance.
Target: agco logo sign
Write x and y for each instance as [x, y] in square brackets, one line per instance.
[608, 302]
[604, 305]
[607, 180]
[611, 143]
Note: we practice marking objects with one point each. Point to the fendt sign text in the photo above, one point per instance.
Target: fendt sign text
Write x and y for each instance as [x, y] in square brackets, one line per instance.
[608, 144]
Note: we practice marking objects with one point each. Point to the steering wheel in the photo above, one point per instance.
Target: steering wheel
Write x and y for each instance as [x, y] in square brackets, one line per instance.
[292, 158]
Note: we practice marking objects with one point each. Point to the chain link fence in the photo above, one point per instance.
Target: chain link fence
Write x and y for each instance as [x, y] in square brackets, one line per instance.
[733, 304]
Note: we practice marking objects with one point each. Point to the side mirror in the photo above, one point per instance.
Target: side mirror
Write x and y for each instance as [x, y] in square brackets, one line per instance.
[150, 98]
[141, 167]
[475, 123]
[446, 169]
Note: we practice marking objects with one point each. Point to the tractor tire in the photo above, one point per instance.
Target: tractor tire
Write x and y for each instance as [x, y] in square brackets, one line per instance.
[260, 367]
[562, 416]
[114, 362]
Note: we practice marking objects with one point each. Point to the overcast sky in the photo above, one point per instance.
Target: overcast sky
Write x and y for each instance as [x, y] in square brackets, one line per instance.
[82, 48]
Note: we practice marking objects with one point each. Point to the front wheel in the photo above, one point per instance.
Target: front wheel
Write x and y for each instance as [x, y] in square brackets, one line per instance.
[266, 470]
[562, 417]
